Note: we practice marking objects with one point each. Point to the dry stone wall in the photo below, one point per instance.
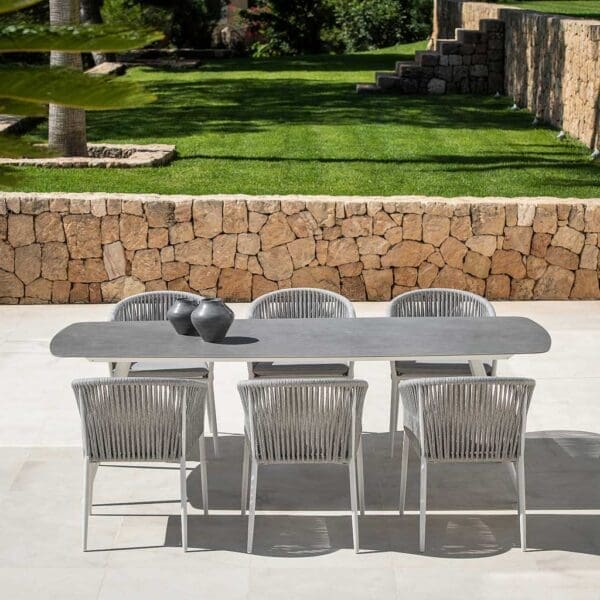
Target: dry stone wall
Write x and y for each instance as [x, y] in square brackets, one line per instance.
[552, 63]
[62, 248]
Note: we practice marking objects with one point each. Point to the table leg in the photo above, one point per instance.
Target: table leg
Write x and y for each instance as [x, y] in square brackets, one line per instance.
[477, 368]
[121, 369]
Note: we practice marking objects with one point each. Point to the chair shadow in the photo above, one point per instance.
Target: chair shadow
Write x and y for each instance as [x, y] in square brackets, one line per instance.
[561, 469]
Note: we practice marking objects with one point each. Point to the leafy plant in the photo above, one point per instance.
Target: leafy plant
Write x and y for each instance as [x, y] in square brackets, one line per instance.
[27, 90]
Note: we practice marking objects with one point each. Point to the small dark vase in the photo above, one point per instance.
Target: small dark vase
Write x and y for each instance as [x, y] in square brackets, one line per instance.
[212, 319]
[180, 313]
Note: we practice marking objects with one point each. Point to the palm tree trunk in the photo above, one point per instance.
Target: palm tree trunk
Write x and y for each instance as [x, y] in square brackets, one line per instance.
[66, 126]
[90, 14]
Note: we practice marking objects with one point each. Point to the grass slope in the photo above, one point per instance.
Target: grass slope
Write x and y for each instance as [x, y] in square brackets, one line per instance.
[576, 8]
[296, 126]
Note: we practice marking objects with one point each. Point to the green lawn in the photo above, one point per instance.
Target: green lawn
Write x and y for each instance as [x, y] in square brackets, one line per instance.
[288, 126]
[576, 8]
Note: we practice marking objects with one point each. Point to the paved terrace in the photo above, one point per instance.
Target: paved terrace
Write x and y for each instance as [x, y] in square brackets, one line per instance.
[303, 539]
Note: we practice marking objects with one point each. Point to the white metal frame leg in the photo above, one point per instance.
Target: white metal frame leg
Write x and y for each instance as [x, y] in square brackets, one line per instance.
[404, 470]
[354, 503]
[203, 475]
[245, 473]
[394, 402]
[477, 368]
[91, 479]
[522, 507]
[211, 409]
[183, 492]
[360, 472]
[422, 504]
[121, 369]
[252, 510]
[86, 501]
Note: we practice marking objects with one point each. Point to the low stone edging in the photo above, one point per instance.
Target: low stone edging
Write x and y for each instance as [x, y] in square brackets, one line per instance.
[104, 156]
[100, 247]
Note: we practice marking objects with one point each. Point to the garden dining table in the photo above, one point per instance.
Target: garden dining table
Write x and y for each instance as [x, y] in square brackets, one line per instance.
[477, 340]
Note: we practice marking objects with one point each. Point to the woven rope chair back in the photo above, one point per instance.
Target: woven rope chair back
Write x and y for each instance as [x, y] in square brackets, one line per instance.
[148, 306]
[139, 419]
[301, 303]
[303, 420]
[468, 418]
[440, 302]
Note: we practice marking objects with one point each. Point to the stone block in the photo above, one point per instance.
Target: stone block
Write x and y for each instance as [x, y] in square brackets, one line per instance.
[28, 262]
[20, 230]
[87, 270]
[207, 217]
[436, 86]
[7, 257]
[546, 219]
[451, 278]
[406, 276]
[109, 229]
[160, 213]
[407, 254]
[276, 232]
[261, 286]
[536, 267]
[248, 243]
[497, 287]
[235, 285]
[518, 238]
[158, 237]
[540, 243]
[224, 250]
[342, 251]
[555, 284]
[256, 221]
[521, 289]
[412, 227]
[302, 252]
[357, 226]
[436, 229]
[585, 286]
[276, 263]
[568, 238]
[146, 265]
[10, 285]
[326, 278]
[113, 291]
[483, 244]
[508, 262]
[133, 232]
[303, 224]
[181, 232]
[176, 270]
[378, 284]
[589, 257]
[460, 228]
[562, 257]
[200, 252]
[426, 274]
[354, 288]
[477, 265]
[488, 219]
[235, 216]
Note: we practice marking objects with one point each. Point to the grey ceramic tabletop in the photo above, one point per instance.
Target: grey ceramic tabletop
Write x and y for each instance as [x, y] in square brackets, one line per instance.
[383, 338]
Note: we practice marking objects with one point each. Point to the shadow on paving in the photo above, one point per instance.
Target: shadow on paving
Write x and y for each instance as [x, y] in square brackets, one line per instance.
[562, 474]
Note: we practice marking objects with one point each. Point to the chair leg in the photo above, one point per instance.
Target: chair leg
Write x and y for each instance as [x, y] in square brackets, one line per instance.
[92, 478]
[404, 470]
[354, 504]
[252, 510]
[422, 504]
[85, 504]
[522, 508]
[360, 472]
[245, 470]
[393, 414]
[183, 493]
[212, 413]
[203, 475]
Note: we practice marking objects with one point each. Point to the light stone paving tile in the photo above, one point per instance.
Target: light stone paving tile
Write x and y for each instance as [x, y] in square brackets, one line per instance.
[51, 583]
[322, 584]
[219, 582]
[11, 462]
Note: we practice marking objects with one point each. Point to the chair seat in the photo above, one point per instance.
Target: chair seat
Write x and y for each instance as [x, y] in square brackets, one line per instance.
[270, 369]
[183, 370]
[412, 368]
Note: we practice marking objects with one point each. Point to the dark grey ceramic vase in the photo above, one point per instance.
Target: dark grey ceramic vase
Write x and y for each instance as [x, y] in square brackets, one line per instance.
[180, 315]
[212, 319]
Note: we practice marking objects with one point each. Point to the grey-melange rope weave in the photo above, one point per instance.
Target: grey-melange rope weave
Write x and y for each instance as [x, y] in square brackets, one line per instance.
[301, 303]
[467, 418]
[139, 419]
[302, 421]
[440, 302]
[148, 306]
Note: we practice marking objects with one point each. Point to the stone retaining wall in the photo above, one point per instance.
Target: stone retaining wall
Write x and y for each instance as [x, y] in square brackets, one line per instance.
[552, 63]
[95, 248]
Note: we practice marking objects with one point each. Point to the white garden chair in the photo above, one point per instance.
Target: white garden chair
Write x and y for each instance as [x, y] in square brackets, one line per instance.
[141, 420]
[298, 421]
[153, 306]
[467, 420]
[301, 303]
[433, 302]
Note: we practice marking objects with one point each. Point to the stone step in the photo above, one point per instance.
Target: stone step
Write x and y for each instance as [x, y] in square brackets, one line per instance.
[368, 88]
[427, 58]
[18, 124]
[448, 47]
[402, 63]
[439, 42]
[491, 25]
[469, 36]
[387, 80]
[108, 68]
